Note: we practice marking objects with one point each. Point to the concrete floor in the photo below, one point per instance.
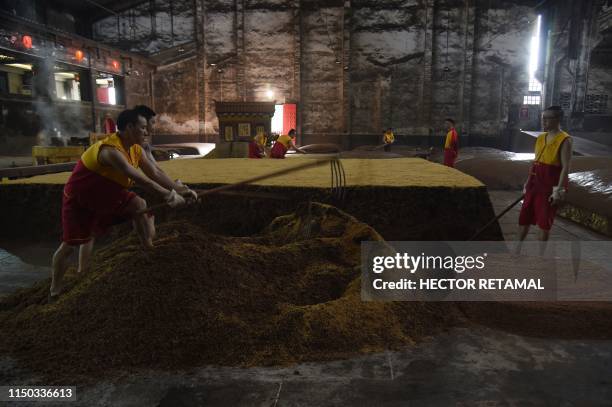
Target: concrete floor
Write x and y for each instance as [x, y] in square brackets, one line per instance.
[478, 366]
[463, 367]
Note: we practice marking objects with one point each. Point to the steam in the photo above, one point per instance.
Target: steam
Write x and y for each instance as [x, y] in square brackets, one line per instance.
[57, 123]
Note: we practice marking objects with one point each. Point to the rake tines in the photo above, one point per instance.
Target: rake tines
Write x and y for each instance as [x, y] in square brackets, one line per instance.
[338, 181]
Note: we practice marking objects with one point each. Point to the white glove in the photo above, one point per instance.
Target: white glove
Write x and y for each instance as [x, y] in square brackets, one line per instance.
[190, 194]
[173, 199]
[558, 193]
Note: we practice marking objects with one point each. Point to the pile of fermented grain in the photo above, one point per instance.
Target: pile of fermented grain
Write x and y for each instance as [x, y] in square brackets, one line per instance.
[288, 295]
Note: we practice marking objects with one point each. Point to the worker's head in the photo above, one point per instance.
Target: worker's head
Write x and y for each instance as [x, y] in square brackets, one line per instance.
[149, 115]
[450, 123]
[132, 127]
[551, 118]
[389, 129]
[292, 132]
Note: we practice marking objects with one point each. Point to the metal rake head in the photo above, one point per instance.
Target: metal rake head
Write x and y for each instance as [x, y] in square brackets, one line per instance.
[338, 181]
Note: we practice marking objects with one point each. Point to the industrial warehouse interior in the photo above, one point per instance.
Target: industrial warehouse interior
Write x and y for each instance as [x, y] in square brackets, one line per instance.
[305, 203]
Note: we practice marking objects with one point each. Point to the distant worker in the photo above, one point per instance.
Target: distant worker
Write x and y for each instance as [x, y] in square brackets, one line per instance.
[451, 145]
[548, 178]
[257, 146]
[283, 143]
[96, 195]
[388, 138]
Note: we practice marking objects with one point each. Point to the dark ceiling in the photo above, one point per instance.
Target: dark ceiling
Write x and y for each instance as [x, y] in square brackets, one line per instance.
[97, 9]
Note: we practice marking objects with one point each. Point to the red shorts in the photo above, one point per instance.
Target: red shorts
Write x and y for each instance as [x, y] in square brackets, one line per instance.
[449, 157]
[537, 210]
[91, 204]
[278, 150]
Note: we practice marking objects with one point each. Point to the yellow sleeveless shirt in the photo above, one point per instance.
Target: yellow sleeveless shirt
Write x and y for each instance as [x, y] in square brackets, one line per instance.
[90, 159]
[389, 137]
[548, 153]
[284, 139]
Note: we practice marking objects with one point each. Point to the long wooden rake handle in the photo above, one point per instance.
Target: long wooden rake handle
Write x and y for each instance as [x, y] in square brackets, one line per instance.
[224, 188]
[482, 229]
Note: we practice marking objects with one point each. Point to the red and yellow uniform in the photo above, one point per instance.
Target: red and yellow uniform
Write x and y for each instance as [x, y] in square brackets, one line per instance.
[96, 195]
[257, 146]
[281, 146]
[389, 137]
[544, 175]
[451, 147]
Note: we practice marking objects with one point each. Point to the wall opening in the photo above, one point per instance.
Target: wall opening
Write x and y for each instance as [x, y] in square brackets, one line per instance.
[534, 96]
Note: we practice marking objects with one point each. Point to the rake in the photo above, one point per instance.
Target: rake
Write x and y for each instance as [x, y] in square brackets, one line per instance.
[338, 184]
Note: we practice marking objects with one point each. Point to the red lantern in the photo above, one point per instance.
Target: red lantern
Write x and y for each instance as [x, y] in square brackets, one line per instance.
[79, 55]
[26, 41]
[115, 64]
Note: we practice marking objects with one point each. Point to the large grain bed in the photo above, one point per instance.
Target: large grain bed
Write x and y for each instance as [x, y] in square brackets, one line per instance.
[404, 199]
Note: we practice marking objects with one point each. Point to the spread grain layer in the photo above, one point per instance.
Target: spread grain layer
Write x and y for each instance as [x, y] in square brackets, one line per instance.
[401, 172]
[288, 295]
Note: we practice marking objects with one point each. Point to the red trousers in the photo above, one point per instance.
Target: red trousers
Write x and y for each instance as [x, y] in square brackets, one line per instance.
[449, 157]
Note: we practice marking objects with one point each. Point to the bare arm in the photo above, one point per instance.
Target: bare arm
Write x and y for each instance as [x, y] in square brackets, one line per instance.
[296, 148]
[112, 157]
[566, 158]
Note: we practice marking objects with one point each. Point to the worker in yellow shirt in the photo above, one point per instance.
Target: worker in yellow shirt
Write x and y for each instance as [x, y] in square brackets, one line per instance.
[96, 195]
[388, 138]
[283, 143]
[548, 179]
[451, 144]
[257, 146]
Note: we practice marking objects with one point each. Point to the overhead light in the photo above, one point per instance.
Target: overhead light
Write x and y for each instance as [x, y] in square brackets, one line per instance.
[115, 64]
[338, 62]
[269, 94]
[65, 75]
[212, 64]
[181, 49]
[27, 67]
[78, 55]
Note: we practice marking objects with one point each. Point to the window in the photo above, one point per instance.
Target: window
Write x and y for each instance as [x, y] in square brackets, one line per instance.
[535, 85]
[109, 89]
[67, 85]
[71, 83]
[531, 100]
[244, 130]
[229, 133]
[18, 77]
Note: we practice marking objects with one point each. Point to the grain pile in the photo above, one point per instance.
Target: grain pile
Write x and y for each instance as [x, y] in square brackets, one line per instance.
[401, 172]
[285, 296]
[403, 199]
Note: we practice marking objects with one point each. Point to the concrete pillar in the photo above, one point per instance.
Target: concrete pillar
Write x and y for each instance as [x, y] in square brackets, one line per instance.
[469, 65]
[296, 89]
[202, 84]
[426, 86]
[346, 75]
[240, 50]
